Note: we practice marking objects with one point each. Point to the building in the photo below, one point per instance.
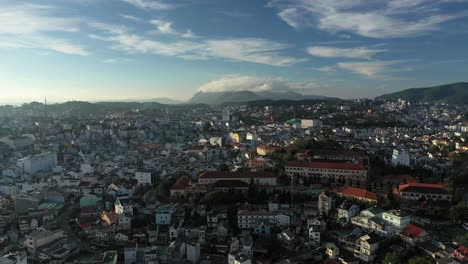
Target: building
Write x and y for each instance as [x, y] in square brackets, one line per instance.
[40, 238]
[164, 213]
[266, 150]
[236, 257]
[25, 202]
[19, 143]
[428, 191]
[226, 115]
[36, 163]
[252, 219]
[193, 252]
[401, 157]
[397, 219]
[143, 178]
[461, 253]
[325, 203]
[181, 187]
[314, 226]
[366, 247]
[260, 178]
[311, 123]
[325, 170]
[413, 234]
[359, 194]
[346, 212]
[110, 257]
[19, 257]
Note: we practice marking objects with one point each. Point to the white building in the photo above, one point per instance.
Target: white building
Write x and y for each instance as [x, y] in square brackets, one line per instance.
[314, 226]
[40, 238]
[311, 123]
[226, 115]
[143, 178]
[164, 213]
[250, 219]
[193, 253]
[35, 163]
[397, 219]
[401, 157]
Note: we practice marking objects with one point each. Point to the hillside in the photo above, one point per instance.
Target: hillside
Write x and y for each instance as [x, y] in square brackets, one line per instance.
[247, 96]
[455, 93]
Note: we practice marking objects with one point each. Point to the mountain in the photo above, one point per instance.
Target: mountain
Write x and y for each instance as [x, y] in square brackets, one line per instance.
[247, 96]
[454, 93]
[162, 100]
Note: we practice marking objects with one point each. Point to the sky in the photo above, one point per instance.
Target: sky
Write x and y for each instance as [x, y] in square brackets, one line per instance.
[141, 49]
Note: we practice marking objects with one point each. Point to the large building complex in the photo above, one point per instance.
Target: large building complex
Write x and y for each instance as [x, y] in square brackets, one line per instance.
[327, 170]
[36, 163]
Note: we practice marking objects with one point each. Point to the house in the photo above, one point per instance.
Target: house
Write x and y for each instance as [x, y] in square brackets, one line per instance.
[164, 213]
[461, 253]
[331, 250]
[181, 187]
[325, 203]
[263, 227]
[314, 225]
[428, 191]
[347, 211]
[413, 234]
[40, 238]
[366, 247]
[359, 194]
[397, 219]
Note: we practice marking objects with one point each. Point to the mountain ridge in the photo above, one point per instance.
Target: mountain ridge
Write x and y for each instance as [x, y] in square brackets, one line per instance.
[454, 93]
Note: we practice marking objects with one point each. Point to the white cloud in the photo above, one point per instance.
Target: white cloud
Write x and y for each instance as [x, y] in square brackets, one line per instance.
[354, 53]
[373, 19]
[29, 25]
[370, 69]
[114, 29]
[150, 4]
[165, 27]
[129, 17]
[256, 84]
[255, 50]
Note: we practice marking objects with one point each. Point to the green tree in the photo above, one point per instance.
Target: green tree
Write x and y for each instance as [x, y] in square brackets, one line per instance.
[420, 260]
[393, 258]
[459, 212]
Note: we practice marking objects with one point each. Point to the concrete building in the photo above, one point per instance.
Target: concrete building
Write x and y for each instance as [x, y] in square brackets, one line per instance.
[327, 170]
[260, 178]
[143, 178]
[311, 123]
[366, 247]
[325, 203]
[40, 238]
[401, 157]
[164, 213]
[35, 163]
[314, 226]
[397, 219]
[251, 219]
[416, 191]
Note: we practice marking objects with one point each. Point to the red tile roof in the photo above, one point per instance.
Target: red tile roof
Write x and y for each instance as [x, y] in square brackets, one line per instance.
[399, 178]
[232, 174]
[327, 165]
[412, 231]
[182, 183]
[358, 192]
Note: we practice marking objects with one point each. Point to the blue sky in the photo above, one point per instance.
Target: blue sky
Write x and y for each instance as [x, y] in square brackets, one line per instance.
[136, 49]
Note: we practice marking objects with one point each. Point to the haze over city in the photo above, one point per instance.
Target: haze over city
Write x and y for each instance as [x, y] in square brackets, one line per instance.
[140, 49]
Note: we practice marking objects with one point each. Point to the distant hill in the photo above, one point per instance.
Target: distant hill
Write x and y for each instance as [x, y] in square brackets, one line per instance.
[162, 100]
[247, 96]
[455, 93]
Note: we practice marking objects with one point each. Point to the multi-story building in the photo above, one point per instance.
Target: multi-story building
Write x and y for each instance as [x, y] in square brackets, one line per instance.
[327, 170]
[429, 191]
[266, 150]
[164, 213]
[35, 163]
[251, 219]
[346, 212]
[311, 123]
[143, 178]
[314, 225]
[397, 219]
[325, 203]
[401, 157]
[366, 247]
[39, 238]
[260, 178]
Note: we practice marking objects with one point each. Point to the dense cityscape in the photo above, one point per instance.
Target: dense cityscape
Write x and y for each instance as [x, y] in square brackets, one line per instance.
[313, 181]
